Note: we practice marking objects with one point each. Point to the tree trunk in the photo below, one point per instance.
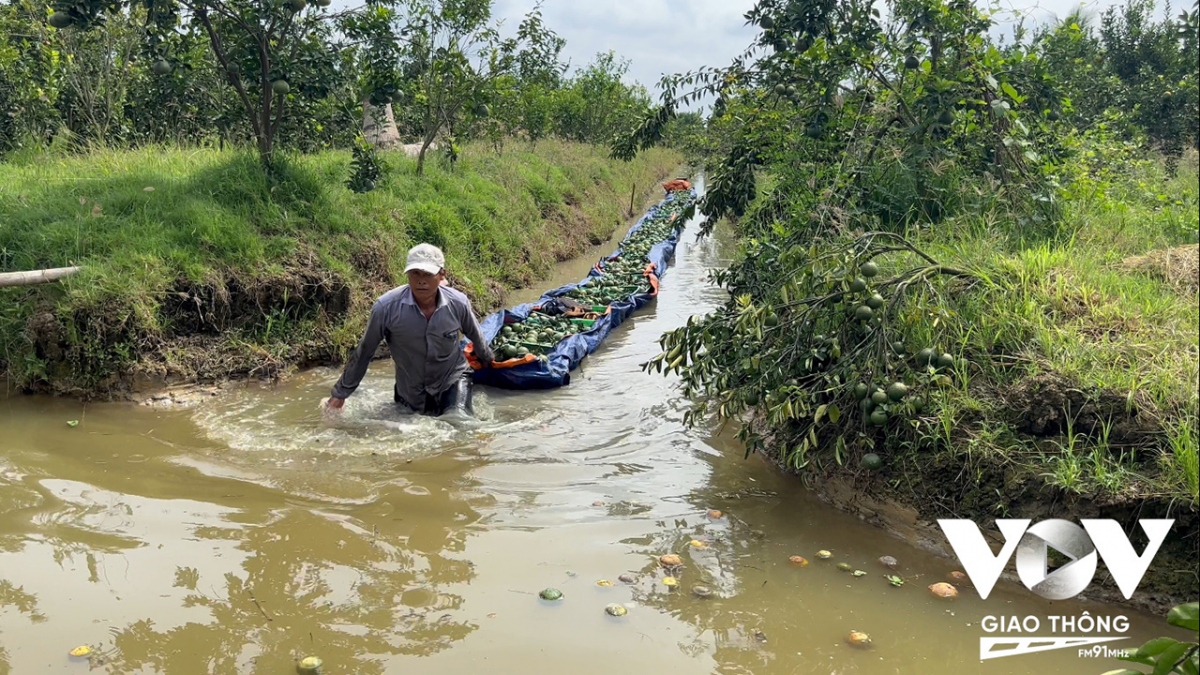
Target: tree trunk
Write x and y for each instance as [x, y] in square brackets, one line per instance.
[421, 158]
[424, 146]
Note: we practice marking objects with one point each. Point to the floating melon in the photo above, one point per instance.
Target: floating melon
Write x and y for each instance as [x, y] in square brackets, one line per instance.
[943, 590]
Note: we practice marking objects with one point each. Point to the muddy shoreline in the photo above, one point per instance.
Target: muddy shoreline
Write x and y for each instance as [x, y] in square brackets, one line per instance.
[869, 496]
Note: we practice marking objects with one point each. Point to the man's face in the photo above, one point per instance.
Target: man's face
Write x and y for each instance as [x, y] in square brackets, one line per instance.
[424, 285]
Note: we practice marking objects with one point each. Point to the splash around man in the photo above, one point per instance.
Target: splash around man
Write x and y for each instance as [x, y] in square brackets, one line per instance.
[421, 322]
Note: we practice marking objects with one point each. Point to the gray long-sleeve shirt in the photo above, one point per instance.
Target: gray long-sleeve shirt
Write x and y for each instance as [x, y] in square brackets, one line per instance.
[426, 352]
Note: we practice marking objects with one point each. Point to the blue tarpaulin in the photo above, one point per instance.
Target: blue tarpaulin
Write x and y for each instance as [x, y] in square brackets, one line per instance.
[555, 369]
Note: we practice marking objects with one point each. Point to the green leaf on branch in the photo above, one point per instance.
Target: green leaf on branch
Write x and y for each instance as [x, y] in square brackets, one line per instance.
[1185, 616]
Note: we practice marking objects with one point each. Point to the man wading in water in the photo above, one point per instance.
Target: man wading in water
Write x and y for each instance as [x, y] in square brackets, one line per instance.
[421, 322]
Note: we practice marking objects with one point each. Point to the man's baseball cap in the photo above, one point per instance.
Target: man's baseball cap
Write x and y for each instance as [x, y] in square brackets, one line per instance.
[425, 257]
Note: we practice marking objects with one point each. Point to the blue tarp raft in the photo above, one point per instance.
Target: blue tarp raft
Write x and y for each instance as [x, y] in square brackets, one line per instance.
[552, 368]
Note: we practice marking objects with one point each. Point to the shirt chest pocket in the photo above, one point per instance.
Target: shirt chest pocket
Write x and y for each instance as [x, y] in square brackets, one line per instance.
[443, 342]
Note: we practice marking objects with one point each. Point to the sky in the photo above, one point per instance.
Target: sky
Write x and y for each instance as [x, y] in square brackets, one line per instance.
[659, 37]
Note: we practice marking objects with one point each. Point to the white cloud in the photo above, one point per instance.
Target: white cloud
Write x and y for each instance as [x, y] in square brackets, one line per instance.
[658, 37]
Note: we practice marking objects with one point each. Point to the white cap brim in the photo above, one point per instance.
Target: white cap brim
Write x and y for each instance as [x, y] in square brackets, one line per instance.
[429, 268]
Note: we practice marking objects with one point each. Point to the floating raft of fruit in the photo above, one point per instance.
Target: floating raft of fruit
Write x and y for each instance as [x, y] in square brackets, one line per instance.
[537, 345]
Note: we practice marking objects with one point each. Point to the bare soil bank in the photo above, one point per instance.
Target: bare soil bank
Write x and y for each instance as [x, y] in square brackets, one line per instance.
[985, 491]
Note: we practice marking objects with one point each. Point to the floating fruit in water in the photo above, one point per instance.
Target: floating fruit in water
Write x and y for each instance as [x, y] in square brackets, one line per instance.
[858, 639]
[627, 578]
[701, 591]
[670, 560]
[616, 610]
[309, 665]
[859, 573]
[960, 577]
[81, 650]
[696, 543]
[824, 555]
[897, 391]
[889, 562]
[604, 582]
[798, 560]
[551, 594]
[943, 590]
[845, 567]
[715, 514]
[670, 581]
[869, 269]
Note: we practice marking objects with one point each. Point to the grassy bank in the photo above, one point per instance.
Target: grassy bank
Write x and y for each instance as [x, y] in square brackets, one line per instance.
[1068, 378]
[1076, 356]
[196, 266]
[1073, 392]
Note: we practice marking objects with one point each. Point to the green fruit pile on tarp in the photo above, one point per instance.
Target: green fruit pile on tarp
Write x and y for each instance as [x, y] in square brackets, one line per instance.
[624, 276]
[536, 335]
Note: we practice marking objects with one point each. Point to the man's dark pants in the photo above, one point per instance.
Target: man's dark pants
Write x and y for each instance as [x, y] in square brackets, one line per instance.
[456, 397]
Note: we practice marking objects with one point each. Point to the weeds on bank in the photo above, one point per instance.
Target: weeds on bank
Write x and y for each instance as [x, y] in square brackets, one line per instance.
[1182, 465]
[1068, 306]
[1037, 325]
[147, 223]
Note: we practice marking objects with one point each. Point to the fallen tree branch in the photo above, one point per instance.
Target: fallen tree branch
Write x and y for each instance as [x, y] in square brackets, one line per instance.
[35, 276]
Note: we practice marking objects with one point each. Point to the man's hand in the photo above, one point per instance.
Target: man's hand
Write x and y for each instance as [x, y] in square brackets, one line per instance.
[334, 403]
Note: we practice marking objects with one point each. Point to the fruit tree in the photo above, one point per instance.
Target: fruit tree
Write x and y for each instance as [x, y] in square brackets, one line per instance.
[276, 55]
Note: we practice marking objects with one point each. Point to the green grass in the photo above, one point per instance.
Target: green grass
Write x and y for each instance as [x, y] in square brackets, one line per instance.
[1066, 306]
[148, 223]
[1182, 463]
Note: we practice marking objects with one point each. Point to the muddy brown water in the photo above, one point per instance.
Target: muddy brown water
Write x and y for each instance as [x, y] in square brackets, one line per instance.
[247, 531]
